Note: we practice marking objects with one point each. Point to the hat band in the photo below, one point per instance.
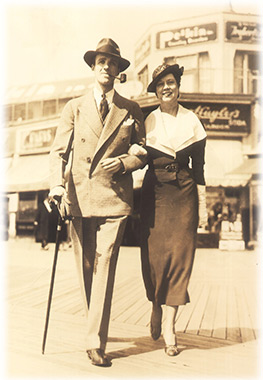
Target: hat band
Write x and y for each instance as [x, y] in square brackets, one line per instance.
[107, 49]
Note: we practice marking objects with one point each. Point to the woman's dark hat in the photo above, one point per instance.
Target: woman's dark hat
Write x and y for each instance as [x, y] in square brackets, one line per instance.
[163, 70]
[109, 47]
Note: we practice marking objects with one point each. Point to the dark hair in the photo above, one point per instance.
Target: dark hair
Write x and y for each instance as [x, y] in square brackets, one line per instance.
[176, 77]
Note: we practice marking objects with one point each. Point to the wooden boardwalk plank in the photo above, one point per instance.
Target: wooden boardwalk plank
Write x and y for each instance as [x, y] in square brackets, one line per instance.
[219, 328]
[252, 303]
[233, 327]
[121, 306]
[196, 316]
[185, 312]
[207, 322]
[245, 322]
[146, 314]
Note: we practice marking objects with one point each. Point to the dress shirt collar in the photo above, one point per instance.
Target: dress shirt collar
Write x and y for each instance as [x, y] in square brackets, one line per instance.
[98, 96]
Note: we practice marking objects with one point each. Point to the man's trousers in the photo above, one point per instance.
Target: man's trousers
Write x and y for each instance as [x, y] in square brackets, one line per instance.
[96, 243]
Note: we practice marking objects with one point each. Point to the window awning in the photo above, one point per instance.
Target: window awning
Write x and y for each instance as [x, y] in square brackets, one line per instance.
[225, 164]
[31, 173]
[250, 166]
[239, 176]
[28, 173]
[228, 181]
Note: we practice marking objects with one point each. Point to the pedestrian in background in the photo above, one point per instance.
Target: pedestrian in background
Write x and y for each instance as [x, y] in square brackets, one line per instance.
[41, 222]
[99, 128]
[172, 194]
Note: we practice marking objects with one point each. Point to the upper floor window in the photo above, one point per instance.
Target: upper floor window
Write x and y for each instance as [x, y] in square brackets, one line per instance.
[49, 107]
[20, 112]
[169, 60]
[197, 73]
[246, 72]
[8, 112]
[61, 103]
[34, 110]
[204, 77]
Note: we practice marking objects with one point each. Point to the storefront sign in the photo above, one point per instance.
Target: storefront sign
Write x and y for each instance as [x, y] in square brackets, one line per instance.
[243, 32]
[36, 140]
[221, 117]
[185, 36]
[142, 50]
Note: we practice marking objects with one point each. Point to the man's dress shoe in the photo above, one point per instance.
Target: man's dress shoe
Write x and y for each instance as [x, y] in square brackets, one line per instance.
[98, 357]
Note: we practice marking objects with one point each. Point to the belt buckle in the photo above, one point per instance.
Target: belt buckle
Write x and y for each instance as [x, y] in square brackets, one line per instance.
[172, 168]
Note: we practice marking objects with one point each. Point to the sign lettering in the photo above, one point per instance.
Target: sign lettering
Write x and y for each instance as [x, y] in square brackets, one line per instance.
[222, 117]
[35, 140]
[243, 31]
[185, 36]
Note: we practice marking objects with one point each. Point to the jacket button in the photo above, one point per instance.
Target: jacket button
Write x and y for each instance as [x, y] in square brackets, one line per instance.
[89, 160]
[83, 140]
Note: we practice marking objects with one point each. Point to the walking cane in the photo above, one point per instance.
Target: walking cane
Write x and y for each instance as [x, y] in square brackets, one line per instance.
[59, 227]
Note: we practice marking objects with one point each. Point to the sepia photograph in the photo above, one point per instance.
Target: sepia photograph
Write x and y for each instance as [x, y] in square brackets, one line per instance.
[131, 192]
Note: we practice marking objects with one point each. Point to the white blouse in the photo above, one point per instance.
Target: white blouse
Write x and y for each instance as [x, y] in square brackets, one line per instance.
[170, 134]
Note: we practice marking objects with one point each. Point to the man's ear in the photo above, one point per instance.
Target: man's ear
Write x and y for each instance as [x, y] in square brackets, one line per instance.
[92, 67]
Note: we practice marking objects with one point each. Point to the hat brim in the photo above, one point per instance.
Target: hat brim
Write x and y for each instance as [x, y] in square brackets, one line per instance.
[89, 58]
[174, 69]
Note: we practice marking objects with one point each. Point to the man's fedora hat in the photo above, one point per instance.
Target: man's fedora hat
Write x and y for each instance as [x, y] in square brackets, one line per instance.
[109, 47]
[163, 70]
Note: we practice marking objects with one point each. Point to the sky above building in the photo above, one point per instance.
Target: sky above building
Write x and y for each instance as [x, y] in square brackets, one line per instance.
[45, 41]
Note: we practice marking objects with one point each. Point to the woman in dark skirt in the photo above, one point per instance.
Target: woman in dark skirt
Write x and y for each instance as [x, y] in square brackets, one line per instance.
[173, 202]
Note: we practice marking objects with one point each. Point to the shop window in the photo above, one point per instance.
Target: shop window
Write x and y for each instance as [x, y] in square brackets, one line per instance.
[62, 103]
[246, 72]
[49, 107]
[143, 77]
[4, 220]
[34, 110]
[20, 112]
[27, 207]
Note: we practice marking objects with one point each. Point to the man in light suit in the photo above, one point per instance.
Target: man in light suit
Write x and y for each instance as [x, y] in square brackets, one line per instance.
[99, 131]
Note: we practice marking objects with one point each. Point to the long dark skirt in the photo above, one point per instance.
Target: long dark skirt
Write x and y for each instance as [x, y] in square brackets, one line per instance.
[169, 220]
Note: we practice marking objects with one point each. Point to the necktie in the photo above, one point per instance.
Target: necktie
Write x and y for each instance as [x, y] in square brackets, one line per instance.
[104, 108]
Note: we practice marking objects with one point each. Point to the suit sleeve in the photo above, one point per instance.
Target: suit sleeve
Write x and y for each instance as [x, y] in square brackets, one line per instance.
[198, 161]
[61, 147]
[132, 162]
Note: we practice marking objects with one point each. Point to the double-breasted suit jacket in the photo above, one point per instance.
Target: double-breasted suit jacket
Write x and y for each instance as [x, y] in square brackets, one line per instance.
[93, 191]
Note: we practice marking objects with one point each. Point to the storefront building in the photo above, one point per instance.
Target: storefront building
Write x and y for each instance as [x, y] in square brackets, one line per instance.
[221, 83]
[32, 115]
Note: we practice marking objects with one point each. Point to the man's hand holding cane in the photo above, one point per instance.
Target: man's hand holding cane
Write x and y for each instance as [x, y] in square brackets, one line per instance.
[58, 196]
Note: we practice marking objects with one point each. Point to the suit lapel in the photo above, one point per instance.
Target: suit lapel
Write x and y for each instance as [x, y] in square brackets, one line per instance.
[88, 109]
[114, 118]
